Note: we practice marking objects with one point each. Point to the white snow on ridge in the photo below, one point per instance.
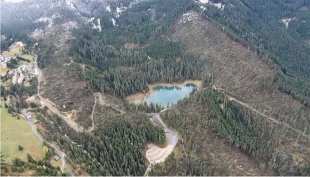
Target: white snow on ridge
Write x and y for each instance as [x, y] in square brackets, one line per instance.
[91, 19]
[119, 10]
[108, 8]
[190, 16]
[204, 1]
[99, 26]
[14, 1]
[70, 4]
[218, 5]
[48, 20]
[113, 21]
[95, 26]
[286, 21]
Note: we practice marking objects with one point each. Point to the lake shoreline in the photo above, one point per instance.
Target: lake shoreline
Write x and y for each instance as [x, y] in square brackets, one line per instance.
[140, 97]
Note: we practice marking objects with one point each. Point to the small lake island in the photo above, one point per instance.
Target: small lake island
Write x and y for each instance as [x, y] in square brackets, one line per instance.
[165, 94]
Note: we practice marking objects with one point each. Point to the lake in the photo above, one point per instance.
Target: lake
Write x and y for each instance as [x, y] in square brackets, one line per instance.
[164, 93]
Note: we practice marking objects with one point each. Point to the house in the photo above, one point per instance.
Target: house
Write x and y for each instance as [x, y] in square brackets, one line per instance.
[21, 78]
[56, 157]
[28, 115]
[14, 79]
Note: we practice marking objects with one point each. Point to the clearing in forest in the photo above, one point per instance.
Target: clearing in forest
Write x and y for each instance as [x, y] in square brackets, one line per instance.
[14, 51]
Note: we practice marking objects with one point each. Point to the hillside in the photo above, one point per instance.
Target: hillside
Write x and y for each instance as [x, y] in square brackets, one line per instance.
[247, 85]
[249, 117]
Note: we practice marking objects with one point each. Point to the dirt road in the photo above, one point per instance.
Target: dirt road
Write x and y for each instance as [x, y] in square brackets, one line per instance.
[230, 98]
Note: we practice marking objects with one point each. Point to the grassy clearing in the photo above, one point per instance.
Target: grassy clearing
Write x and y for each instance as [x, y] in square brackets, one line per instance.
[13, 52]
[28, 57]
[16, 132]
[56, 163]
[4, 70]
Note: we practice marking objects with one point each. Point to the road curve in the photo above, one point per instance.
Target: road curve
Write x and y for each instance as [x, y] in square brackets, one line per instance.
[92, 115]
[156, 154]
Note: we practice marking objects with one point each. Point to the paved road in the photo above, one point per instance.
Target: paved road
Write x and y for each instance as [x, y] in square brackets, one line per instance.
[41, 139]
[47, 104]
[172, 136]
[172, 139]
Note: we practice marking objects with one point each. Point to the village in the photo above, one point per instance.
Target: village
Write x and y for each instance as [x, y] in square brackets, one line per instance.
[24, 71]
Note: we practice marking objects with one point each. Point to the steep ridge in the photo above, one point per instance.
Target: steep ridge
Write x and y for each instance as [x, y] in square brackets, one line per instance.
[250, 80]
[235, 68]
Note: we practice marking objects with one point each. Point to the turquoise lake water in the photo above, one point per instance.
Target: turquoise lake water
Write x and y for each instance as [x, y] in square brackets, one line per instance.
[163, 95]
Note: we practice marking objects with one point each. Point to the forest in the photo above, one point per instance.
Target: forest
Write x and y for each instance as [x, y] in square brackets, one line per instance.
[116, 148]
[208, 115]
[115, 69]
[258, 24]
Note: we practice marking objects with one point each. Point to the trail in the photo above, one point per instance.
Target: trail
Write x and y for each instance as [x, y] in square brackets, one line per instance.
[230, 98]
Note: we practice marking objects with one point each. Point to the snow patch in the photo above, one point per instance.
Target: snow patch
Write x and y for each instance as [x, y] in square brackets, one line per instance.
[204, 1]
[190, 16]
[94, 25]
[286, 21]
[91, 19]
[113, 21]
[99, 26]
[48, 20]
[119, 11]
[69, 3]
[218, 5]
[108, 8]
[14, 1]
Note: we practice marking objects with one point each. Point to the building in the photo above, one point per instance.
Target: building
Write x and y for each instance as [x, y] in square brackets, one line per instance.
[20, 78]
[28, 115]
[3, 61]
[56, 157]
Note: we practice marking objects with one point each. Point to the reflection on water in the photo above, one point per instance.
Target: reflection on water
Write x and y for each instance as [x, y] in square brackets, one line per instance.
[164, 95]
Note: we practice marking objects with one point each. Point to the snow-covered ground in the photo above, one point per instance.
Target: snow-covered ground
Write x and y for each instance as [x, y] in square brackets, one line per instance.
[99, 25]
[94, 25]
[119, 10]
[218, 5]
[69, 2]
[14, 1]
[190, 16]
[113, 21]
[108, 8]
[49, 20]
[286, 21]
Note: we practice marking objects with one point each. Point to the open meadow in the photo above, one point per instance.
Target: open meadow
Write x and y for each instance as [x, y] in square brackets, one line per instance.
[15, 51]
[16, 132]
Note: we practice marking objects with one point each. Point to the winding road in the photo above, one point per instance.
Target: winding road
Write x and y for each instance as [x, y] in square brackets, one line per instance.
[154, 154]
[92, 114]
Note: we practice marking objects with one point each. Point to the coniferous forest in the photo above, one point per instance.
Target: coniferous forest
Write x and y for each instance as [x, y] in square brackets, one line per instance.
[219, 135]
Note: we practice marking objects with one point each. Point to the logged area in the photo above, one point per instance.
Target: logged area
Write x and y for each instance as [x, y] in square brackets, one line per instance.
[155, 88]
[240, 72]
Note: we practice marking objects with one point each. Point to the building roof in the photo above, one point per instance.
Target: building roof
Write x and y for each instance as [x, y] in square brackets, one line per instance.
[56, 157]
